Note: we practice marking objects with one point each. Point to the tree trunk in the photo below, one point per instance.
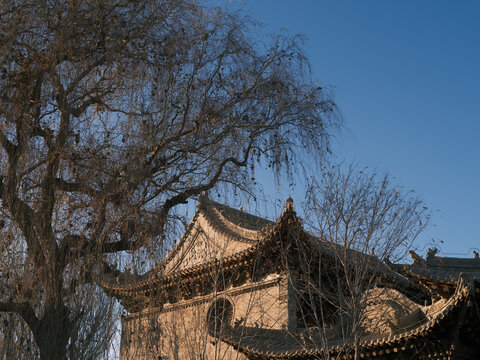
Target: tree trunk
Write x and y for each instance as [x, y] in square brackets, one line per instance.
[53, 334]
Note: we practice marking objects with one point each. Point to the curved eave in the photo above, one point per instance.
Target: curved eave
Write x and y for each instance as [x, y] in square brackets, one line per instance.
[437, 279]
[122, 290]
[372, 346]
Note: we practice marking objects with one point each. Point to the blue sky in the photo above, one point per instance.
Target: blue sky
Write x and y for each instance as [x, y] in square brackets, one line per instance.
[407, 79]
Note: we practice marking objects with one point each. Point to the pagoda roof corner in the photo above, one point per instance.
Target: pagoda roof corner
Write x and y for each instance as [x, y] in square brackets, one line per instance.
[442, 269]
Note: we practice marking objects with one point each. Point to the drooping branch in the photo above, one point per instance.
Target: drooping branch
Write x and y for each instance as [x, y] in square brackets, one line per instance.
[197, 190]
[126, 244]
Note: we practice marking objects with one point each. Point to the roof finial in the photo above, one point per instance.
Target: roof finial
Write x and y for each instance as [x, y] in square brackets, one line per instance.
[431, 253]
[289, 205]
[202, 198]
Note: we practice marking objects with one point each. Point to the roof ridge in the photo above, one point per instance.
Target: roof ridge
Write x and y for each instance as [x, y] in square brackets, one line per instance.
[220, 222]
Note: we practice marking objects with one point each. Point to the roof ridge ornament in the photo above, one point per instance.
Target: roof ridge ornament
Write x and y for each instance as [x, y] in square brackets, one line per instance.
[417, 259]
[431, 253]
[202, 199]
[289, 204]
[289, 215]
[289, 211]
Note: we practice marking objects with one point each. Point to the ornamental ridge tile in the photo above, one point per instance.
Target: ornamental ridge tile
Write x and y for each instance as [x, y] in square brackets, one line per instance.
[441, 269]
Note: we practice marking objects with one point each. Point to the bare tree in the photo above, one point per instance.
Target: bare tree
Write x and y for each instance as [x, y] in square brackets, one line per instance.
[115, 112]
[362, 222]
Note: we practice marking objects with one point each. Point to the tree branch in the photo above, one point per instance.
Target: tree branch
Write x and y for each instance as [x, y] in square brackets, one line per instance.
[23, 215]
[7, 145]
[121, 245]
[23, 309]
[63, 185]
[182, 197]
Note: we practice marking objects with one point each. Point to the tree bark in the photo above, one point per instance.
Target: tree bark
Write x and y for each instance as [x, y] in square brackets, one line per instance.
[53, 333]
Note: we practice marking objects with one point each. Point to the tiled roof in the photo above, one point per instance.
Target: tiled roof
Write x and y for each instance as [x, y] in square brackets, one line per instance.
[232, 223]
[281, 344]
[441, 269]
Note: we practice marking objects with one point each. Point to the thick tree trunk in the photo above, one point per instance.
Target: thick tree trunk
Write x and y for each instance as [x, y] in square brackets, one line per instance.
[53, 334]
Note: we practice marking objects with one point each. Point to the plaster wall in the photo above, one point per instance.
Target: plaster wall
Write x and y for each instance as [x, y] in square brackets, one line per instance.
[179, 331]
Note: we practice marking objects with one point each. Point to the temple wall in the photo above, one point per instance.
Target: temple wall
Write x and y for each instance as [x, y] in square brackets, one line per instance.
[179, 331]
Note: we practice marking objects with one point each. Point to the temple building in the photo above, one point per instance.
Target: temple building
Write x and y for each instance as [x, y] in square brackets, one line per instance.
[237, 286]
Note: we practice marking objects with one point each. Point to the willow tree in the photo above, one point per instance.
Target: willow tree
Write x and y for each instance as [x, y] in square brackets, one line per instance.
[115, 112]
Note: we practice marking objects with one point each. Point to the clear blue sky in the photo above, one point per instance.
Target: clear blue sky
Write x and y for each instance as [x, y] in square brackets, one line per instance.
[407, 79]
